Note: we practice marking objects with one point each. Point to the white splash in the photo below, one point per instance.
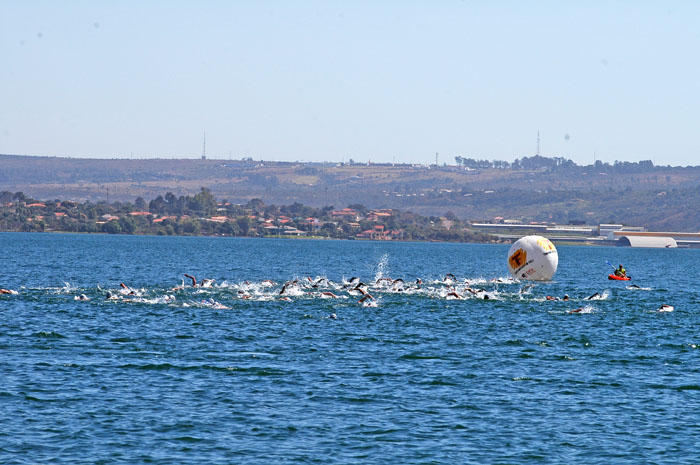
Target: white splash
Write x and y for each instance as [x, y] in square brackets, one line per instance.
[382, 267]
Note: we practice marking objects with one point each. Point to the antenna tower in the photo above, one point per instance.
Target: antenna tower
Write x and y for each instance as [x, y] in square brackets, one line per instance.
[204, 147]
[538, 143]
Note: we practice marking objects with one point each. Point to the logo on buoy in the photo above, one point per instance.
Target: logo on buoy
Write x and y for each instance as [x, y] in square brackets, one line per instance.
[546, 245]
[517, 259]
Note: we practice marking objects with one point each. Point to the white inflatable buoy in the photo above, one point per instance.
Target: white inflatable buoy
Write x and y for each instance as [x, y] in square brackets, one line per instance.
[533, 258]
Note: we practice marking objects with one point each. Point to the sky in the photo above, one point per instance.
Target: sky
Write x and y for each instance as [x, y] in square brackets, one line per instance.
[378, 81]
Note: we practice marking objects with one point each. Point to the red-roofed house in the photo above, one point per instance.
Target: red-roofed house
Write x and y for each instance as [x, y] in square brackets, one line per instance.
[347, 213]
[163, 218]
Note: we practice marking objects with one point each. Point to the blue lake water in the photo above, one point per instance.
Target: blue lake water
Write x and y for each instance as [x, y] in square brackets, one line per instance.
[234, 374]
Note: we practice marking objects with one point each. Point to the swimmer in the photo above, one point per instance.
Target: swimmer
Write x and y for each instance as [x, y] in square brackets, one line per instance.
[214, 304]
[359, 289]
[329, 294]
[8, 292]
[665, 308]
[284, 288]
[454, 295]
[243, 294]
[576, 310]
[449, 278]
[333, 316]
[549, 297]
[194, 280]
[476, 291]
[318, 282]
[368, 301]
[594, 296]
[205, 282]
[287, 286]
[181, 286]
[81, 297]
[354, 291]
[126, 289]
[525, 288]
[110, 296]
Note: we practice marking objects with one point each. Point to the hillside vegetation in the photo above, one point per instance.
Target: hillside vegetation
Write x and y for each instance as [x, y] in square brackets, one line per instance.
[530, 189]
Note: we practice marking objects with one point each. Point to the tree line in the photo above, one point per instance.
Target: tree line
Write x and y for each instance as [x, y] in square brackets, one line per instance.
[554, 164]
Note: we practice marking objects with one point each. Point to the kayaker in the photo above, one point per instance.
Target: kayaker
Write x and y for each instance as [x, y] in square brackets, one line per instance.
[621, 272]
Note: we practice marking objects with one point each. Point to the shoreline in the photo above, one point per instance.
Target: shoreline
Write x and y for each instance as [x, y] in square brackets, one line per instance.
[323, 238]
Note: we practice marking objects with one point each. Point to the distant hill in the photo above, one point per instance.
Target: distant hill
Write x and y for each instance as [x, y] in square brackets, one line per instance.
[533, 189]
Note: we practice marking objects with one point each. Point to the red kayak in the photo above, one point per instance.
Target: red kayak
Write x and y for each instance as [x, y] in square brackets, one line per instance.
[619, 278]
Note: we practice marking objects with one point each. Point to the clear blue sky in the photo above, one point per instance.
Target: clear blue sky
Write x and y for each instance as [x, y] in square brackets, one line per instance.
[368, 80]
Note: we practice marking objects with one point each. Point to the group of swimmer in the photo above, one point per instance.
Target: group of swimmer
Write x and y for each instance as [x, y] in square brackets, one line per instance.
[448, 287]
[353, 287]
